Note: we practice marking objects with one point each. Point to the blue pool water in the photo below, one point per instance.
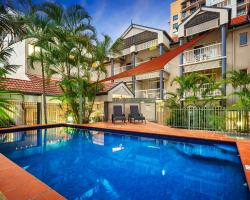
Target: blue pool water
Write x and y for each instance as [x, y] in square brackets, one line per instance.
[83, 164]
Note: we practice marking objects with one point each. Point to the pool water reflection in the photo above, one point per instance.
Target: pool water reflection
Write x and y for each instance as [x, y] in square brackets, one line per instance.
[83, 164]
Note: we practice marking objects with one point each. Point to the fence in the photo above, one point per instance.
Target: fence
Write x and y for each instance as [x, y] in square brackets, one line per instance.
[216, 119]
[30, 113]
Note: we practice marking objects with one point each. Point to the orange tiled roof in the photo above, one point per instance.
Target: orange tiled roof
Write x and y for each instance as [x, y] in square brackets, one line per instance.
[108, 86]
[238, 20]
[34, 86]
[157, 63]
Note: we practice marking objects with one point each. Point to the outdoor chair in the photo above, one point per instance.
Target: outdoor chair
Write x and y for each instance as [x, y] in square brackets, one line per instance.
[118, 115]
[135, 114]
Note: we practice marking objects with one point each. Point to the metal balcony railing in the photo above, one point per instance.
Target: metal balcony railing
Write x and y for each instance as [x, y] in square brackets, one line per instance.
[148, 93]
[207, 53]
[200, 93]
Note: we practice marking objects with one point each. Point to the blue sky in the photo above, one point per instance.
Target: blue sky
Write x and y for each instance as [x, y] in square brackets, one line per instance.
[112, 17]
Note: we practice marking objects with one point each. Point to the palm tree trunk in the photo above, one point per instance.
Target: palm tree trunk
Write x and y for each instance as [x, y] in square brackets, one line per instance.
[43, 88]
[93, 101]
[80, 97]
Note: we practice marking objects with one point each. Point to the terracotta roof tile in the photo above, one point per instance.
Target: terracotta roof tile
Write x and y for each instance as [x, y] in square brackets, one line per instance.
[238, 20]
[34, 86]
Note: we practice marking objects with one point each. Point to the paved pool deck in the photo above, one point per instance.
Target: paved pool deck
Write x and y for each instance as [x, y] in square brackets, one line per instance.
[16, 183]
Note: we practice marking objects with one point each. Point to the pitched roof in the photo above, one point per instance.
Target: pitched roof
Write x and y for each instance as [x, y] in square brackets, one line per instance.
[239, 20]
[145, 27]
[108, 86]
[157, 63]
[32, 86]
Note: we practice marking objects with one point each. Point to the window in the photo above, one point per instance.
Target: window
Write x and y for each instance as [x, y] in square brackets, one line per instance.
[244, 71]
[175, 17]
[192, 10]
[241, 12]
[243, 39]
[175, 25]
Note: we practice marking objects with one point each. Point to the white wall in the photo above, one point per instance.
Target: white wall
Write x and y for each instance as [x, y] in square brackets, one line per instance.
[19, 58]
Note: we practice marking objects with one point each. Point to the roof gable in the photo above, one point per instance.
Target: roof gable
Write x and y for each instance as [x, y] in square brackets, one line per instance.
[134, 29]
[202, 17]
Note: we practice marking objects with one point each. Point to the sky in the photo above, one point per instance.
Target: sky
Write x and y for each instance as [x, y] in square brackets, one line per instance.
[112, 17]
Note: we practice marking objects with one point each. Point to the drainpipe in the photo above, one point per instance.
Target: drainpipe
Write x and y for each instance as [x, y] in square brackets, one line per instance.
[181, 58]
[181, 40]
[233, 51]
[161, 47]
[224, 59]
[112, 67]
[133, 77]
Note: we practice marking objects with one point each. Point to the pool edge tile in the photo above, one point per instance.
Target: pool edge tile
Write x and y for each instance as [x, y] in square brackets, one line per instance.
[23, 188]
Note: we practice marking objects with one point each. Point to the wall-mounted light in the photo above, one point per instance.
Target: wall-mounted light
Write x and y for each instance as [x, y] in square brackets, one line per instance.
[70, 119]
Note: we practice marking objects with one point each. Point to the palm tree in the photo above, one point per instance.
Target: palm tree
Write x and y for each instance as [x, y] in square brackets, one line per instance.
[11, 31]
[240, 81]
[39, 31]
[191, 84]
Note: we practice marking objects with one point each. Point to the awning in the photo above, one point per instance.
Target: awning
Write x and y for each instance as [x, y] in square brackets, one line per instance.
[157, 63]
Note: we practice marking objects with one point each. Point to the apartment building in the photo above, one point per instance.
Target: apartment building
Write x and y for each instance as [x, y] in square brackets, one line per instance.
[226, 46]
[175, 17]
[185, 8]
[141, 44]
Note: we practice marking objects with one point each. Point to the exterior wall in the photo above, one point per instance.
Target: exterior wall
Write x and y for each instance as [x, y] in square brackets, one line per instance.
[214, 37]
[175, 9]
[237, 56]
[172, 68]
[19, 57]
[133, 31]
[146, 55]
[31, 98]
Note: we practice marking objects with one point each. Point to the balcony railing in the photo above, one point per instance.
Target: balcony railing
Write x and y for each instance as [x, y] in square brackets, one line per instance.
[200, 93]
[207, 53]
[124, 68]
[149, 93]
[147, 45]
[121, 69]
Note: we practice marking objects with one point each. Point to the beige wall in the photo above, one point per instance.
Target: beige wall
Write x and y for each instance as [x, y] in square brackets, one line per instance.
[172, 68]
[175, 9]
[238, 57]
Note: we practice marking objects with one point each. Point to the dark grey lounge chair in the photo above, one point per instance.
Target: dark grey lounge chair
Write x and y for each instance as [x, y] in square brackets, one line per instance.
[135, 114]
[117, 114]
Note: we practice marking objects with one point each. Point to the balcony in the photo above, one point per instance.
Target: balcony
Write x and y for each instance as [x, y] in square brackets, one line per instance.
[148, 93]
[139, 47]
[203, 54]
[121, 69]
[204, 87]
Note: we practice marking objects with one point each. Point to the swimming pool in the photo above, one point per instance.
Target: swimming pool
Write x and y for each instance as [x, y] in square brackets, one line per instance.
[85, 164]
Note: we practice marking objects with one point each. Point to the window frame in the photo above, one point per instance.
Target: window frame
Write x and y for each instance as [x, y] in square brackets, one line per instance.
[175, 17]
[246, 39]
[176, 27]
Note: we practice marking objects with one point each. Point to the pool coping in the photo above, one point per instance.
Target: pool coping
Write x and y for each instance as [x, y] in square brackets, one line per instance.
[16, 183]
[242, 145]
